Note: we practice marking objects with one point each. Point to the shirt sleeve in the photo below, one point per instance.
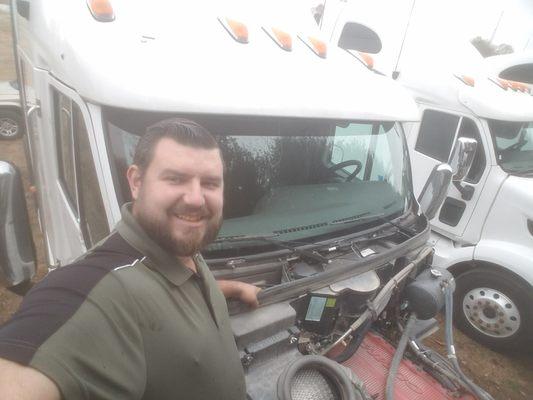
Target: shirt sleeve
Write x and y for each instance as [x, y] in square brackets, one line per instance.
[80, 328]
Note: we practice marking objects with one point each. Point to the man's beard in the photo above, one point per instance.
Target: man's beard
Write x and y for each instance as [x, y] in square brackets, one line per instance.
[160, 232]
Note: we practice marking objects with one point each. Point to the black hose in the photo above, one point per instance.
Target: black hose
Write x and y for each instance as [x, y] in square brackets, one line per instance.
[398, 355]
[330, 369]
[476, 390]
[354, 344]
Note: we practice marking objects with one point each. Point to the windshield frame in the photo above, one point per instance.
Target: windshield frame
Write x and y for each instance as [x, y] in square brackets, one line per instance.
[342, 231]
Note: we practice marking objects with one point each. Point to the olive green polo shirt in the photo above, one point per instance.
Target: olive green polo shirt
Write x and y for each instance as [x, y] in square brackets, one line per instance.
[128, 321]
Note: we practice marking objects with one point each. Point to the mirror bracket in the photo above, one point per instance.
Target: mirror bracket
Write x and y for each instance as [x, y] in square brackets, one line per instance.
[467, 191]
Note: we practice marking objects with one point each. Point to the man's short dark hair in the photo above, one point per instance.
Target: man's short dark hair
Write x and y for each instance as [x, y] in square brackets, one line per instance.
[183, 131]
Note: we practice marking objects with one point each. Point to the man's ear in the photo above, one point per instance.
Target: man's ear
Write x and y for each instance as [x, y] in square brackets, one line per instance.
[134, 177]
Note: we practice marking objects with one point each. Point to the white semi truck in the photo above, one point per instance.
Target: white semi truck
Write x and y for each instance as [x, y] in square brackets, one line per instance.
[319, 210]
[483, 233]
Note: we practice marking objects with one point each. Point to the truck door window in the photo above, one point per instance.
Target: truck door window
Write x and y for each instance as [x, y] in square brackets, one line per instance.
[93, 219]
[65, 148]
[469, 129]
[437, 134]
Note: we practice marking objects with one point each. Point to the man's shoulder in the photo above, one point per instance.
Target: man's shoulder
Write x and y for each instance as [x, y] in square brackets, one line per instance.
[111, 254]
[52, 303]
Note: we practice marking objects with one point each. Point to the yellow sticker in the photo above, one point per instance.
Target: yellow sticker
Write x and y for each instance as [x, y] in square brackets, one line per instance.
[331, 302]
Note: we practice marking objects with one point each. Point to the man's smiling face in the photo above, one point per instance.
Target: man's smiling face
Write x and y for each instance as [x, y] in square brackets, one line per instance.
[178, 199]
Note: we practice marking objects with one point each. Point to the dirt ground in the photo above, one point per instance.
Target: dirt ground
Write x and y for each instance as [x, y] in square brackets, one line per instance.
[506, 377]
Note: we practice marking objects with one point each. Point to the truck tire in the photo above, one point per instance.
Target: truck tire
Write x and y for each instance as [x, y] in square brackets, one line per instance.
[494, 308]
[11, 126]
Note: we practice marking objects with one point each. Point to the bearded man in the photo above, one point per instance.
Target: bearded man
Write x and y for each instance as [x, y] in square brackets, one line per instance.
[140, 315]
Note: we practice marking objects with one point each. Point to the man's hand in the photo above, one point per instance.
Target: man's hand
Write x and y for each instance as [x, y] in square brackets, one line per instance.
[239, 290]
[25, 383]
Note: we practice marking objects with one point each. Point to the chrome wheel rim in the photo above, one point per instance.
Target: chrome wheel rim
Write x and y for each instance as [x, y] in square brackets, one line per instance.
[8, 127]
[491, 312]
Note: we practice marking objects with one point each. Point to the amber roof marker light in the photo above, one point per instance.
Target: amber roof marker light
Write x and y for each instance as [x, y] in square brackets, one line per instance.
[513, 85]
[101, 10]
[367, 59]
[236, 29]
[318, 46]
[467, 80]
[282, 38]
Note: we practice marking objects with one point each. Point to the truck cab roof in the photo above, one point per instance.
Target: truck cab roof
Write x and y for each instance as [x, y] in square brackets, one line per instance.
[169, 56]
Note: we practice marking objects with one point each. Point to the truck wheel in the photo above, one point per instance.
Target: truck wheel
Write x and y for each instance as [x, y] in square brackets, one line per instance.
[493, 308]
[11, 126]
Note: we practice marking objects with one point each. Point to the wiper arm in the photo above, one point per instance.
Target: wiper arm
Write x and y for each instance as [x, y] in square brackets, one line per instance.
[244, 238]
[374, 217]
[357, 218]
[304, 254]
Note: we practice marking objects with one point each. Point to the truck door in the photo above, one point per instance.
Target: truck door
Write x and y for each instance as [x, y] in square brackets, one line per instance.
[33, 85]
[70, 205]
[433, 144]
[76, 189]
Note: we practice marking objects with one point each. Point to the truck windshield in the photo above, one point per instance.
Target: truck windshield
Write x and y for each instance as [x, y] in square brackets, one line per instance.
[293, 179]
[514, 145]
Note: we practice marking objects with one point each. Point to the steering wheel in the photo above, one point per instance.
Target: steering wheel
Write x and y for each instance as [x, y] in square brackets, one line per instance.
[349, 178]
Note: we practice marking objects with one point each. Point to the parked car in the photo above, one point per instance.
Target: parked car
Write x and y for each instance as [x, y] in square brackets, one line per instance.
[11, 121]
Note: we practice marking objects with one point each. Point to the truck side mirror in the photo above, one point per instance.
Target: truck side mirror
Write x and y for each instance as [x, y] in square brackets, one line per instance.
[17, 251]
[462, 157]
[434, 192]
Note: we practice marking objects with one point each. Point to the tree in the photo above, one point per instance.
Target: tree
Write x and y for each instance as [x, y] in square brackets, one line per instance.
[486, 48]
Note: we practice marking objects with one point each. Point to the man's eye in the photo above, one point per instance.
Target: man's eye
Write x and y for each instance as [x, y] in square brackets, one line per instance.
[212, 185]
[173, 179]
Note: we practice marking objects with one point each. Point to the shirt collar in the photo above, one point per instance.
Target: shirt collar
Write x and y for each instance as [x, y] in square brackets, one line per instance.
[156, 257]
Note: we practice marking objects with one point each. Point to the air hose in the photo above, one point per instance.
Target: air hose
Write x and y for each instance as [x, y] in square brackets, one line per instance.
[479, 392]
[398, 355]
[354, 344]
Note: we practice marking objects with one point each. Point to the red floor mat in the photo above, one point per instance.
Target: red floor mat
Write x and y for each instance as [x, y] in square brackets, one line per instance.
[371, 364]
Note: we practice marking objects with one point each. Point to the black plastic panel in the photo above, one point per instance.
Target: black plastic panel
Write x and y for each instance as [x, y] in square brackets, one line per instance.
[451, 212]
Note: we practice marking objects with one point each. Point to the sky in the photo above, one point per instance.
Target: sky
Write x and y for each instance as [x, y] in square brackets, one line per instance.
[515, 18]
[505, 21]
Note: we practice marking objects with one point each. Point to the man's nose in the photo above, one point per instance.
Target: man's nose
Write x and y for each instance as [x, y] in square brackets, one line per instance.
[194, 195]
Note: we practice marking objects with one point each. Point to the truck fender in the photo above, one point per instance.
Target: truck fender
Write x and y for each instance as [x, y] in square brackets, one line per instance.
[513, 257]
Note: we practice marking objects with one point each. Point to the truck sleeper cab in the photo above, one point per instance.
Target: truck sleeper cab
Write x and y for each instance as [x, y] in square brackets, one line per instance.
[482, 232]
[319, 204]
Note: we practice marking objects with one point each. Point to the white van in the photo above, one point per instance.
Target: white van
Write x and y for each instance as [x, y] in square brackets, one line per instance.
[319, 204]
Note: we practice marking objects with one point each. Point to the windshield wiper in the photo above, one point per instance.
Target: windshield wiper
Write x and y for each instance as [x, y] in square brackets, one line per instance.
[308, 254]
[375, 217]
[357, 218]
[244, 238]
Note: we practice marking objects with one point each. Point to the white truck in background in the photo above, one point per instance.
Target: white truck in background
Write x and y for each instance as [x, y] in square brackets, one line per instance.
[483, 233]
[516, 67]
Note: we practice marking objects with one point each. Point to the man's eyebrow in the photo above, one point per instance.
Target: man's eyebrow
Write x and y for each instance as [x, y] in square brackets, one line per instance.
[170, 171]
[212, 178]
[175, 172]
